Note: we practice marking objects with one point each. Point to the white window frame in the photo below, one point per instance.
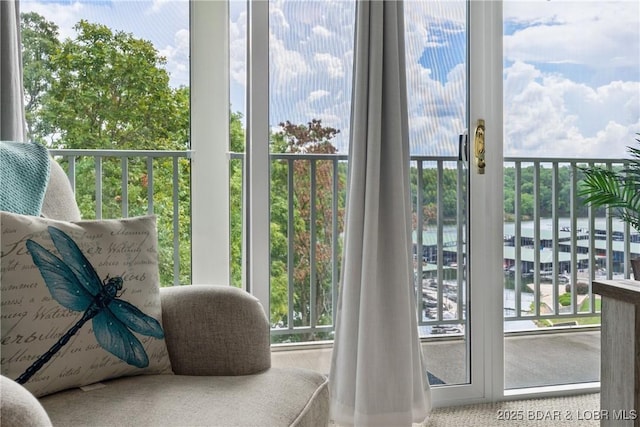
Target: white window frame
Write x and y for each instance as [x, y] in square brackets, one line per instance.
[209, 43]
[210, 103]
[210, 178]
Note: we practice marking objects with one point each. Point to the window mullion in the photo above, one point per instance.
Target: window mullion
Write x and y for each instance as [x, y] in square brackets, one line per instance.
[257, 171]
[210, 142]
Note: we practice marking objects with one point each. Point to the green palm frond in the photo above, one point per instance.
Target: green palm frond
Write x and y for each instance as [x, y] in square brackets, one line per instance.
[617, 190]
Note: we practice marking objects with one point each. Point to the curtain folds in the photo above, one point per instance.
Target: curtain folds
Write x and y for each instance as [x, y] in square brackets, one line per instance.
[12, 119]
[377, 371]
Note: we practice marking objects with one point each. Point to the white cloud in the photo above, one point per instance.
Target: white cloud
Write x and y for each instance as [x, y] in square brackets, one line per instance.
[65, 16]
[552, 116]
[177, 56]
[278, 21]
[546, 113]
[163, 22]
[238, 55]
[317, 94]
[158, 5]
[436, 107]
[330, 64]
[321, 31]
[286, 65]
[592, 109]
[596, 34]
[310, 56]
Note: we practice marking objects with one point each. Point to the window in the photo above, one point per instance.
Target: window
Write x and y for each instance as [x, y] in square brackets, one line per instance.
[115, 76]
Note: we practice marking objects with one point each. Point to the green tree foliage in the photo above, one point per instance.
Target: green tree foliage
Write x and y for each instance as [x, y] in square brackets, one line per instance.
[527, 192]
[109, 90]
[236, 145]
[616, 189]
[313, 232]
[565, 299]
[430, 189]
[40, 43]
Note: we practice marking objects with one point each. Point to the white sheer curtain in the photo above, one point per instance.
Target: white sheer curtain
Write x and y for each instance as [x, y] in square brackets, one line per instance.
[377, 372]
[12, 122]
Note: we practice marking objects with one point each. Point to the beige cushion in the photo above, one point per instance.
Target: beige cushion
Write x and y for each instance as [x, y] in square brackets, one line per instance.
[18, 407]
[47, 287]
[59, 200]
[276, 397]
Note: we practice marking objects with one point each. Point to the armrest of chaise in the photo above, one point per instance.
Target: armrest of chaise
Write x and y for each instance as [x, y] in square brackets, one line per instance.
[215, 330]
[18, 407]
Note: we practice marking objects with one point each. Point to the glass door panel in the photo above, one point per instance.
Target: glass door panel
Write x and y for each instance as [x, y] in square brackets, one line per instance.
[436, 58]
[310, 48]
[310, 76]
[571, 84]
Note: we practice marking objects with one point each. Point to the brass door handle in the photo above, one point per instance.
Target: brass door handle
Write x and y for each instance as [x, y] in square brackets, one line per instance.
[478, 147]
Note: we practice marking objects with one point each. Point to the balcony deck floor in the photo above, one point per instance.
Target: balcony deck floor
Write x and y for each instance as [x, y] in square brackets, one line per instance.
[531, 360]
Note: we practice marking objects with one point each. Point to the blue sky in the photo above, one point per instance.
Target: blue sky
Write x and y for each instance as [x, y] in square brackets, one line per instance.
[450, 51]
[571, 68]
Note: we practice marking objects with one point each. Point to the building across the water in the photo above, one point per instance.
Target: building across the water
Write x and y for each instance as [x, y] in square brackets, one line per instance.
[537, 245]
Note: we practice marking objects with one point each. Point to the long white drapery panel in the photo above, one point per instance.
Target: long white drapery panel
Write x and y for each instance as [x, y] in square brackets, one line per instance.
[12, 124]
[377, 371]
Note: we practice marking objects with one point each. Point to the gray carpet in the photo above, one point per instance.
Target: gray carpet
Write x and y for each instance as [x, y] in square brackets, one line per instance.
[574, 411]
[580, 410]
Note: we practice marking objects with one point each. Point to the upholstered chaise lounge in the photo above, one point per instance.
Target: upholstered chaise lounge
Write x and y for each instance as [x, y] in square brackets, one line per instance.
[218, 343]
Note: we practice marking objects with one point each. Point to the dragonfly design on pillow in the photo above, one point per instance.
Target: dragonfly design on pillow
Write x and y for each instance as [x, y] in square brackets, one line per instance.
[74, 283]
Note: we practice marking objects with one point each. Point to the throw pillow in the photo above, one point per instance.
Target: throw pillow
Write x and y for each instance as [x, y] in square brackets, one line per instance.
[80, 301]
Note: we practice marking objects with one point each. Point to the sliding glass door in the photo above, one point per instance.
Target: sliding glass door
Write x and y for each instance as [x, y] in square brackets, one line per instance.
[450, 90]
[480, 199]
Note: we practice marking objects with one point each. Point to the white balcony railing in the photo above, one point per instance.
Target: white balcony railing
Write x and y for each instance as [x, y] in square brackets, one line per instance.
[124, 183]
[552, 242]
